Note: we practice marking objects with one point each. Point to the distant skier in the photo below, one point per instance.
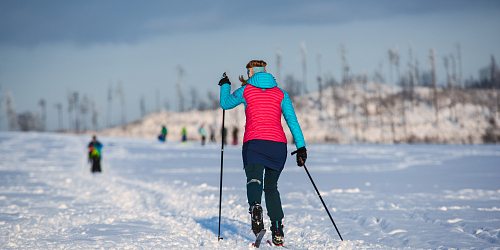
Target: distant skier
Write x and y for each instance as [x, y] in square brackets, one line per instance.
[212, 132]
[235, 135]
[203, 133]
[184, 133]
[163, 135]
[264, 142]
[95, 154]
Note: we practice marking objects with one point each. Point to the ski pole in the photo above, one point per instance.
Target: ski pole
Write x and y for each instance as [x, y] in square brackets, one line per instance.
[221, 167]
[304, 165]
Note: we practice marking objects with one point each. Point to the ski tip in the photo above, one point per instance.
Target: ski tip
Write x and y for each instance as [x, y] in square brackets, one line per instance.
[256, 244]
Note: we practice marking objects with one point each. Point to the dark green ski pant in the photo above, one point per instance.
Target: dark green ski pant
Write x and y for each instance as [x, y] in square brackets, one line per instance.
[255, 174]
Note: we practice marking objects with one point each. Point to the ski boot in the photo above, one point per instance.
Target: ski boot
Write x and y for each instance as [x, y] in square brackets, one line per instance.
[256, 216]
[278, 235]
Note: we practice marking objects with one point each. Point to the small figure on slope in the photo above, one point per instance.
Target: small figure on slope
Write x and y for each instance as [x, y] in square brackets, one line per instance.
[184, 134]
[95, 154]
[212, 132]
[235, 135]
[203, 133]
[163, 135]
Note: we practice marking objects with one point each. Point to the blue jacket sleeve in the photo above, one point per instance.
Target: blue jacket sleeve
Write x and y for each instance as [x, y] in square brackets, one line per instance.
[291, 121]
[230, 101]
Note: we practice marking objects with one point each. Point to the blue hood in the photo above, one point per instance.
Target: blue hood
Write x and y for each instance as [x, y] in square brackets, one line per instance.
[263, 81]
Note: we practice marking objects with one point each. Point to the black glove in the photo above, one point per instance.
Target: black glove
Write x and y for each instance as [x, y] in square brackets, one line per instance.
[301, 155]
[224, 80]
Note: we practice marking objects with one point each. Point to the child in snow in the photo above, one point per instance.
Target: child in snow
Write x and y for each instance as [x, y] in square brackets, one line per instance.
[163, 135]
[235, 135]
[264, 142]
[203, 133]
[212, 133]
[95, 154]
[184, 133]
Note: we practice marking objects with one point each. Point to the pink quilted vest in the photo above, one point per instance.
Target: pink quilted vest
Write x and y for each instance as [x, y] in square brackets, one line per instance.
[263, 114]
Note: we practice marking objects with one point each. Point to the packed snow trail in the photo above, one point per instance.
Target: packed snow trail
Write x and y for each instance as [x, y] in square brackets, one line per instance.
[165, 196]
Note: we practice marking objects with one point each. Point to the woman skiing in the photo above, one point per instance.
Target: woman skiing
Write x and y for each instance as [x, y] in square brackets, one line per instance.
[264, 141]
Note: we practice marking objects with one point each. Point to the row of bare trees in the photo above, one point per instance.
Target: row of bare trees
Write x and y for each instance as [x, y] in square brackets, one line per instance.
[78, 111]
[83, 112]
[402, 97]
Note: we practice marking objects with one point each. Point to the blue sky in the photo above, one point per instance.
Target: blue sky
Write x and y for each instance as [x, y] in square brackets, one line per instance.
[48, 48]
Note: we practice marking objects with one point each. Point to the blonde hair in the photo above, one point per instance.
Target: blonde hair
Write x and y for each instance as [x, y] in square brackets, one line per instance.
[251, 64]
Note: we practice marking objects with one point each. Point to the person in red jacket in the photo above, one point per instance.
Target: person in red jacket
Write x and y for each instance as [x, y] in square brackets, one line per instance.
[264, 142]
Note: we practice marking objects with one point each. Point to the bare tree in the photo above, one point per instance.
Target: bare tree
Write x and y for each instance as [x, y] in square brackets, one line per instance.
[393, 60]
[27, 121]
[454, 76]
[292, 86]
[495, 82]
[396, 62]
[459, 58]
[181, 72]
[404, 93]
[58, 106]
[84, 109]
[404, 86]
[434, 85]
[202, 105]
[304, 66]
[213, 100]
[278, 64]
[345, 78]
[417, 74]
[460, 76]
[69, 96]
[411, 71]
[454, 80]
[77, 114]
[1, 104]
[364, 104]
[345, 65]
[142, 105]
[448, 76]
[381, 104]
[11, 114]
[43, 107]
[158, 106]
[95, 115]
[320, 85]
[166, 104]
[121, 96]
[110, 105]
[194, 97]
[450, 84]
[337, 102]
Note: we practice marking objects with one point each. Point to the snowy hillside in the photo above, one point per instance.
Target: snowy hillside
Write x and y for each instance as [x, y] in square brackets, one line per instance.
[371, 113]
[154, 195]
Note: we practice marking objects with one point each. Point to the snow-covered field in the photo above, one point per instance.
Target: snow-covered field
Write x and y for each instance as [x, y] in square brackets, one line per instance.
[165, 196]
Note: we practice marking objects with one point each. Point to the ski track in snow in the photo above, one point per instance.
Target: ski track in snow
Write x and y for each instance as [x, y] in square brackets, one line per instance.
[165, 196]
